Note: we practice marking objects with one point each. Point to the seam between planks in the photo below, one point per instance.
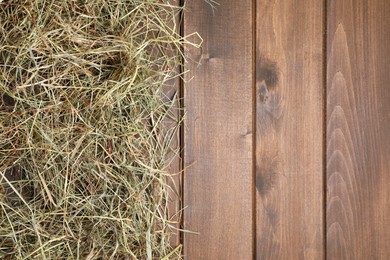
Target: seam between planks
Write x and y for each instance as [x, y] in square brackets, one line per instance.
[254, 202]
[325, 104]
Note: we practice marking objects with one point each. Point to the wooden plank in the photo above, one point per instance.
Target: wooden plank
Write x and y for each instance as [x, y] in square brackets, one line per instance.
[218, 133]
[358, 130]
[289, 129]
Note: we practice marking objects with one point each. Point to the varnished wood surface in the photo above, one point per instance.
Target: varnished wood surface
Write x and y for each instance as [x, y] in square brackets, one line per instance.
[218, 132]
[289, 129]
[358, 130]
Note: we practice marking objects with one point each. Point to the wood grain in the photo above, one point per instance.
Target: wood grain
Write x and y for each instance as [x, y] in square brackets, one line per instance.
[289, 129]
[358, 130]
[218, 133]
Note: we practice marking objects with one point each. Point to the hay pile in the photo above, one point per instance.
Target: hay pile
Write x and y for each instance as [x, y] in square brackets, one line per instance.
[83, 147]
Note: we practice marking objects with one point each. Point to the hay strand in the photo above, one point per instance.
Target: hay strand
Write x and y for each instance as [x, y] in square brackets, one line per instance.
[83, 150]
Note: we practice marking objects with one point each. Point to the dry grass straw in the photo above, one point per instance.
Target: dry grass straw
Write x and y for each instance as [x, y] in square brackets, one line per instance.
[83, 147]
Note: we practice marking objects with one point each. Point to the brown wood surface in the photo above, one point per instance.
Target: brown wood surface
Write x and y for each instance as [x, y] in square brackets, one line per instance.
[322, 119]
[289, 129]
[358, 130]
[218, 132]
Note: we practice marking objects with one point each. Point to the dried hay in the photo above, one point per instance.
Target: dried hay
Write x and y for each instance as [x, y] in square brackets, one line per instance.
[83, 145]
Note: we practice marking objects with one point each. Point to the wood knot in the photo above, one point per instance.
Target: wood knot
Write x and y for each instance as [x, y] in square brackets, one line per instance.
[263, 92]
[267, 71]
